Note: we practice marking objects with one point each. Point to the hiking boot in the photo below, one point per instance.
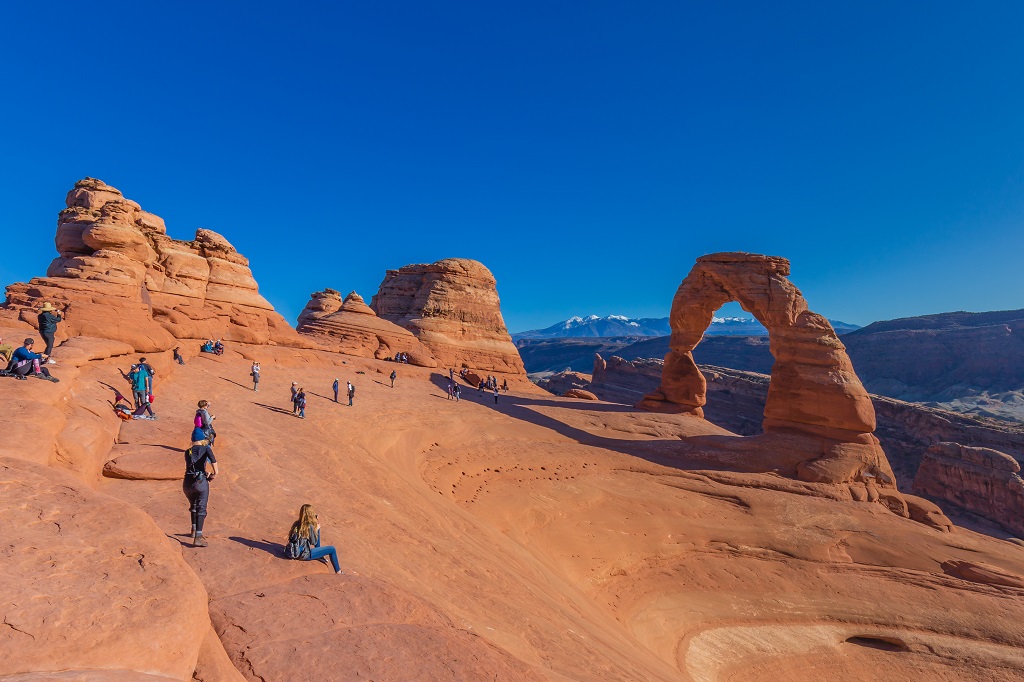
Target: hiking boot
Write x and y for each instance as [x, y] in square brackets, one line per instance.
[200, 541]
[51, 361]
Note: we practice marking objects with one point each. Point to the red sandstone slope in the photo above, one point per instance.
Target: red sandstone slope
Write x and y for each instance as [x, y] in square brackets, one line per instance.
[533, 538]
[540, 539]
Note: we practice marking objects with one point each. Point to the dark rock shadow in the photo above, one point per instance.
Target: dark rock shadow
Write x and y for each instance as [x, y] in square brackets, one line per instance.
[232, 381]
[685, 453]
[272, 408]
[275, 548]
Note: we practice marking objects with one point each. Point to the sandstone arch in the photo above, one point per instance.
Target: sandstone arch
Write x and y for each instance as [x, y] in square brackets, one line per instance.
[815, 399]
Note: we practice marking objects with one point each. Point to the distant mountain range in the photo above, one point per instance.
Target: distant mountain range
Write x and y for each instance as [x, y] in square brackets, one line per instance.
[594, 326]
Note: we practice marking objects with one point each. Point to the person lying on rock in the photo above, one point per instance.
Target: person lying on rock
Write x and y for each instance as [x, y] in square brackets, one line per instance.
[25, 362]
[304, 539]
[196, 483]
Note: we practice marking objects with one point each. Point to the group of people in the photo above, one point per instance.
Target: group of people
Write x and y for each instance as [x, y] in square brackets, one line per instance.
[211, 346]
[299, 400]
[23, 361]
[401, 357]
[350, 390]
[140, 377]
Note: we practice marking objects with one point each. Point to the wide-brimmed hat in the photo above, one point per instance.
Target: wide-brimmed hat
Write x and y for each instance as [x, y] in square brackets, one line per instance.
[47, 307]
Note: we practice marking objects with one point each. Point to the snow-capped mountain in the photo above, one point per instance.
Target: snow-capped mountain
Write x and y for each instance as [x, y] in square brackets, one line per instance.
[620, 325]
[594, 325]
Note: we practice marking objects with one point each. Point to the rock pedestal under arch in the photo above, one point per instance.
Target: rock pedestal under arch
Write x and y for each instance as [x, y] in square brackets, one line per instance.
[818, 418]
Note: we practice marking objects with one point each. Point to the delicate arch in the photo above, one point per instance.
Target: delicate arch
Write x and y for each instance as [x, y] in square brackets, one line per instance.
[814, 390]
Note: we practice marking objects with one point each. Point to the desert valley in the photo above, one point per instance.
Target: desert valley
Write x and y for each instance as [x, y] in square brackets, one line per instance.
[795, 505]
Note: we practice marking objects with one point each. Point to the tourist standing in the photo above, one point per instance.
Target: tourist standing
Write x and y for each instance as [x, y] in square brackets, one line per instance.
[300, 402]
[205, 422]
[495, 392]
[196, 484]
[393, 375]
[295, 389]
[48, 319]
[457, 391]
[351, 393]
[335, 390]
[255, 374]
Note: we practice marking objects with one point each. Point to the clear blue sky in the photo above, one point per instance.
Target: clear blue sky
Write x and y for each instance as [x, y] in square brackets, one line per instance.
[586, 152]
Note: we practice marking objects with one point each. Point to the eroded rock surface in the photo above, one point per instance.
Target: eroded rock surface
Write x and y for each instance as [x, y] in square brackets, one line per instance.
[125, 279]
[981, 480]
[353, 328]
[452, 306]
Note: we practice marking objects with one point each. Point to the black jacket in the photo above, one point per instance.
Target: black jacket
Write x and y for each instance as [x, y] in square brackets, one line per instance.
[48, 322]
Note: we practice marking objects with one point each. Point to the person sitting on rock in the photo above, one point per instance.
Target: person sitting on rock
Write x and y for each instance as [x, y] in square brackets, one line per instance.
[304, 540]
[177, 356]
[196, 483]
[25, 362]
[218, 348]
[207, 347]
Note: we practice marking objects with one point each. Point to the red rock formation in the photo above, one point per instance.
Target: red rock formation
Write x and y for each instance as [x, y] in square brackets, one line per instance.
[351, 327]
[561, 382]
[580, 394]
[123, 278]
[981, 480]
[814, 391]
[452, 306]
[622, 381]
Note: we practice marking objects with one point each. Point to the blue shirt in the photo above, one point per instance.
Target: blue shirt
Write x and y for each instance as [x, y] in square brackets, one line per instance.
[23, 353]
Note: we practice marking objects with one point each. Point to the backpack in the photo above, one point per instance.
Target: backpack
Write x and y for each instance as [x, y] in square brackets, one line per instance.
[198, 421]
[297, 547]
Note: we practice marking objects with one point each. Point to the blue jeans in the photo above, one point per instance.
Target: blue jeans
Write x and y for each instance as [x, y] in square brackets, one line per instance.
[319, 552]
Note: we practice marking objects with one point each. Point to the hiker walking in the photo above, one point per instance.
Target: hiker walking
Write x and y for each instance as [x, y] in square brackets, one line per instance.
[495, 392]
[304, 540]
[196, 484]
[351, 393]
[457, 391]
[255, 374]
[300, 402]
[393, 375]
[204, 421]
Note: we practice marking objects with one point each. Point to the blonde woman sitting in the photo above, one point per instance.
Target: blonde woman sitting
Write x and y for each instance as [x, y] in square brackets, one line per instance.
[304, 539]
